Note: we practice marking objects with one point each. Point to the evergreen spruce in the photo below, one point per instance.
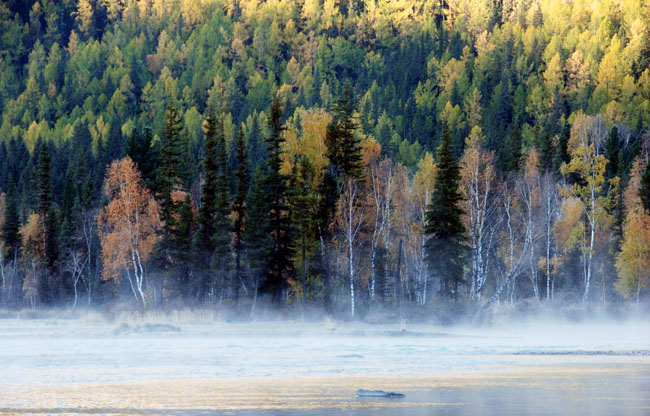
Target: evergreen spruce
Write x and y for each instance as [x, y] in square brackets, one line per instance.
[302, 201]
[44, 183]
[11, 227]
[222, 255]
[208, 207]
[343, 149]
[445, 246]
[239, 210]
[168, 181]
[511, 152]
[183, 245]
[256, 238]
[280, 267]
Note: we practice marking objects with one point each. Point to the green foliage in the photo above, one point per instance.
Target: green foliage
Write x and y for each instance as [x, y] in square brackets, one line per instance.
[445, 248]
[11, 227]
[279, 264]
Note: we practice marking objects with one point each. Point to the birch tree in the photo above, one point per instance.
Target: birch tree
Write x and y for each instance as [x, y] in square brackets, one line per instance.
[128, 226]
[477, 187]
[586, 161]
[351, 217]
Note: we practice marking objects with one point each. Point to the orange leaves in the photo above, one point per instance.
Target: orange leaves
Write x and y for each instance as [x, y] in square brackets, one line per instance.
[128, 225]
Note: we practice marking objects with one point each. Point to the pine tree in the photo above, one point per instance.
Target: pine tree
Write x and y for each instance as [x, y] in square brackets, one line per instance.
[280, 266]
[168, 182]
[222, 254]
[183, 245]
[256, 237]
[544, 145]
[445, 247]
[138, 148]
[303, 201]
[344, 155]
[239, 210]
[343, 149]
[44, 183]
[51, 244]
[511, 152]
[11, 227]
[209, 192]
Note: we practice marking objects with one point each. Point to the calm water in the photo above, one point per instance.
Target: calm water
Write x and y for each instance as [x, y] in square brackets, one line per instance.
[290, 368]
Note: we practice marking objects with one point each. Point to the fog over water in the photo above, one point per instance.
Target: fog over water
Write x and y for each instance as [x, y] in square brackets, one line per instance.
[79, 366]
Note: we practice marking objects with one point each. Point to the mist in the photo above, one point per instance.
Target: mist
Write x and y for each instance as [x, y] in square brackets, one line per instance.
[196, 362]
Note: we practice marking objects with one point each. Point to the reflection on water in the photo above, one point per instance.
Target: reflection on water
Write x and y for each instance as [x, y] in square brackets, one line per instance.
[195, 373]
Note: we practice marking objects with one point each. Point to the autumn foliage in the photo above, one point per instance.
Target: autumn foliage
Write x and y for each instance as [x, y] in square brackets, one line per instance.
[128, 225]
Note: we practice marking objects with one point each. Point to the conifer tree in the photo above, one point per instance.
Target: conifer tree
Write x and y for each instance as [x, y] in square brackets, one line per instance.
[511, 152]
[344, 155]
[44, 183]
[209, 192]
[280, 266]
[11, 227]
[168, 181]
[445, 247]
[303, 201]
[222, 255]
[183, 245]
[239, 210]
[256, 238]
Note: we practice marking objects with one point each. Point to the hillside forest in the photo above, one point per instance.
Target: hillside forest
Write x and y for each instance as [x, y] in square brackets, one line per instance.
[437, 156]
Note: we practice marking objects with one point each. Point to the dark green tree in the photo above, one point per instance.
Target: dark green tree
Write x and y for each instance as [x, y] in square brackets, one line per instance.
[206, 221]
[222, 255]
[168, 182]
[280, 266]
[183, 246]
[302, 201]
[343, 149]
[344, 155]
[445, 248]
[239, 210]
[257, 240]
[44, 181]
[11, 226]
[511, 152]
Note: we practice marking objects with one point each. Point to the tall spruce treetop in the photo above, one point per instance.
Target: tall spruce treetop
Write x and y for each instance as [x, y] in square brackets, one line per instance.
[168, 174]
[445, 247]
[208, 208]
[239, 206]
[343, 149]
[221, 238]
[280, 265]
[243, 178]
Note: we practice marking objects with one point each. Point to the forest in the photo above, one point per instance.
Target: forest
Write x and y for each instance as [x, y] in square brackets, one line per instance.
[434, 156]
